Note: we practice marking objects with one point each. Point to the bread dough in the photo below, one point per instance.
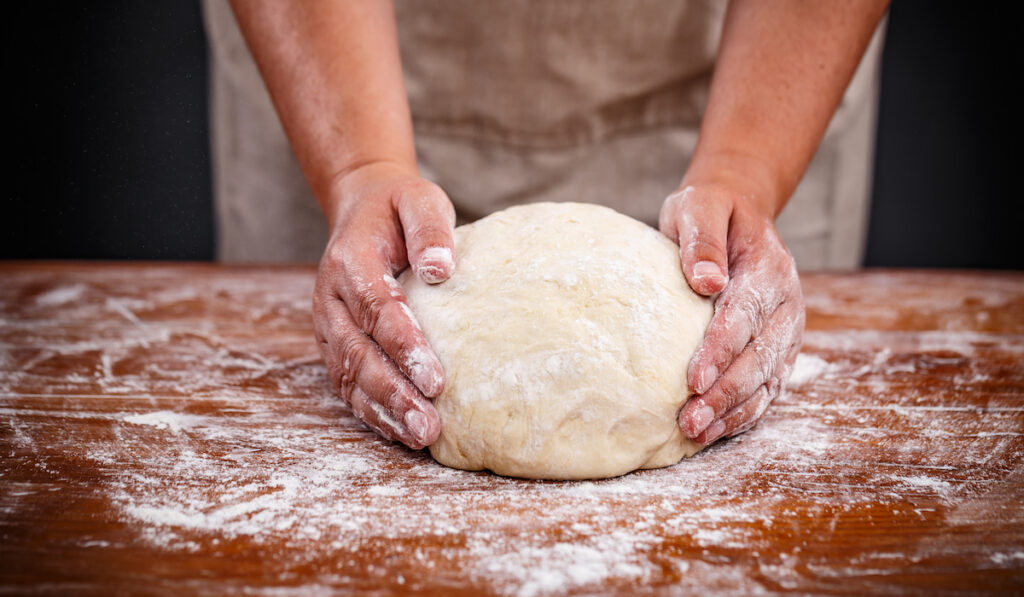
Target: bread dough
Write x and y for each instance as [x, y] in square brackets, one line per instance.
[565, 335]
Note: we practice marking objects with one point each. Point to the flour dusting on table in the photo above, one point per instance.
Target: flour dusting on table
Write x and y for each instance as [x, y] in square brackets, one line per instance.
[227, 441]
[312, 473]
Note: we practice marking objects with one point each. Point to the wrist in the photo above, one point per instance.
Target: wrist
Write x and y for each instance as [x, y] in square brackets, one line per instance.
[743, 175]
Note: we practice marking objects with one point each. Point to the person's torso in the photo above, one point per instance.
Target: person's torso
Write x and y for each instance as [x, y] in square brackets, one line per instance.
[556, 74]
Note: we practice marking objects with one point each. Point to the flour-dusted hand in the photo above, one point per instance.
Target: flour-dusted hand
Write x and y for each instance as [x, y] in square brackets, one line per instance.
[334, 73]
[779, 75]
[378, 359]
[729, 246]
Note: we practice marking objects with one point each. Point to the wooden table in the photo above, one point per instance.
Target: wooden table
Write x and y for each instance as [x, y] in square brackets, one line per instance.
[170, 429]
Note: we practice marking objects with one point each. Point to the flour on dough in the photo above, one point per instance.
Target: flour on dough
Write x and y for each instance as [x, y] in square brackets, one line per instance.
[565, 335]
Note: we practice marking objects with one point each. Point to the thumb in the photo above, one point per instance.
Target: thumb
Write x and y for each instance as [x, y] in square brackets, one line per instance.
[427, 218]
[698, 219]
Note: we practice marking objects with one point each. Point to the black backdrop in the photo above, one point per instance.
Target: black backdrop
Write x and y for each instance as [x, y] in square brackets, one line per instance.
[110, 150]
[110, 128]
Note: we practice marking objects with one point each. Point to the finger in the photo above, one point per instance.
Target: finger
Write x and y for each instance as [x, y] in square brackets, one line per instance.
[745, 415]
[427, 218]
[760, 361]
[378, 305]
[740, 313]
[741, 418]
[699, 221]
[376, 417]
[391, 405]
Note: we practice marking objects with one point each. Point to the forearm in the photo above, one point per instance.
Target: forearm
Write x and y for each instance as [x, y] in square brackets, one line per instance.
[335, 77]
[781, 72]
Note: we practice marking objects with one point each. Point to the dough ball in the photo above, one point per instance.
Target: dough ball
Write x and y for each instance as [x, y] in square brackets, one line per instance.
[565, 334]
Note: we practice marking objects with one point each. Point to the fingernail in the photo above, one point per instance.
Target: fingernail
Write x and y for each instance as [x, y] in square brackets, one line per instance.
[714, 432]
[435, 265]
[416, 423]
[707, 269]
[707, 379]
[701, 419]
[431, 274]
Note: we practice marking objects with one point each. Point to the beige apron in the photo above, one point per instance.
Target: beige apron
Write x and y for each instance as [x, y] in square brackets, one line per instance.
[522, 101]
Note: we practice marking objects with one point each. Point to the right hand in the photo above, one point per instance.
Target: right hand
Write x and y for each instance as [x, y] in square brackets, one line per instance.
[729, 246]
[385, 218]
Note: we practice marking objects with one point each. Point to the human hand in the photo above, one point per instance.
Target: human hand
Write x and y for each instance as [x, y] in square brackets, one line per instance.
[384, 218]
[729, 245]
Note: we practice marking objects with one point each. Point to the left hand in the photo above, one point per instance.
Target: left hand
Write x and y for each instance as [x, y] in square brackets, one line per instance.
[729, 245]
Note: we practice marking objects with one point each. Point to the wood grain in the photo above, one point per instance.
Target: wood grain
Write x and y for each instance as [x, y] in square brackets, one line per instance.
[170, 429]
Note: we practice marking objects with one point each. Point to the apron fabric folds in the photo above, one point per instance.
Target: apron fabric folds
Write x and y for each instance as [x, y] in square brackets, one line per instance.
[521, 101]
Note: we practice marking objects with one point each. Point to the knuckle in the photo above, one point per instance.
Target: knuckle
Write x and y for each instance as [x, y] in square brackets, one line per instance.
[333, 261]
[387, 329]
[736, 332]
[369, 312]
[701, 242]
[730, 388]
[430, 233]
[724, 346]
[734, 307]
[348, 359]
[348, 395]
[416, 192]
[750, 309]
[728, 312]
[765, 361]
[395, 402]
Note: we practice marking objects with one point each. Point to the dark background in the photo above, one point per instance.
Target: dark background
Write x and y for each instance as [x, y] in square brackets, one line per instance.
[111, 161]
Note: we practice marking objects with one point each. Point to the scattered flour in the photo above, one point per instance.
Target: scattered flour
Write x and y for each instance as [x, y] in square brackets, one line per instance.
[60, 295]
[229, 439]
[548, 570]
[927, 482]
[807, 368]
[1008, 558]
[165, 419]
[321, 477]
